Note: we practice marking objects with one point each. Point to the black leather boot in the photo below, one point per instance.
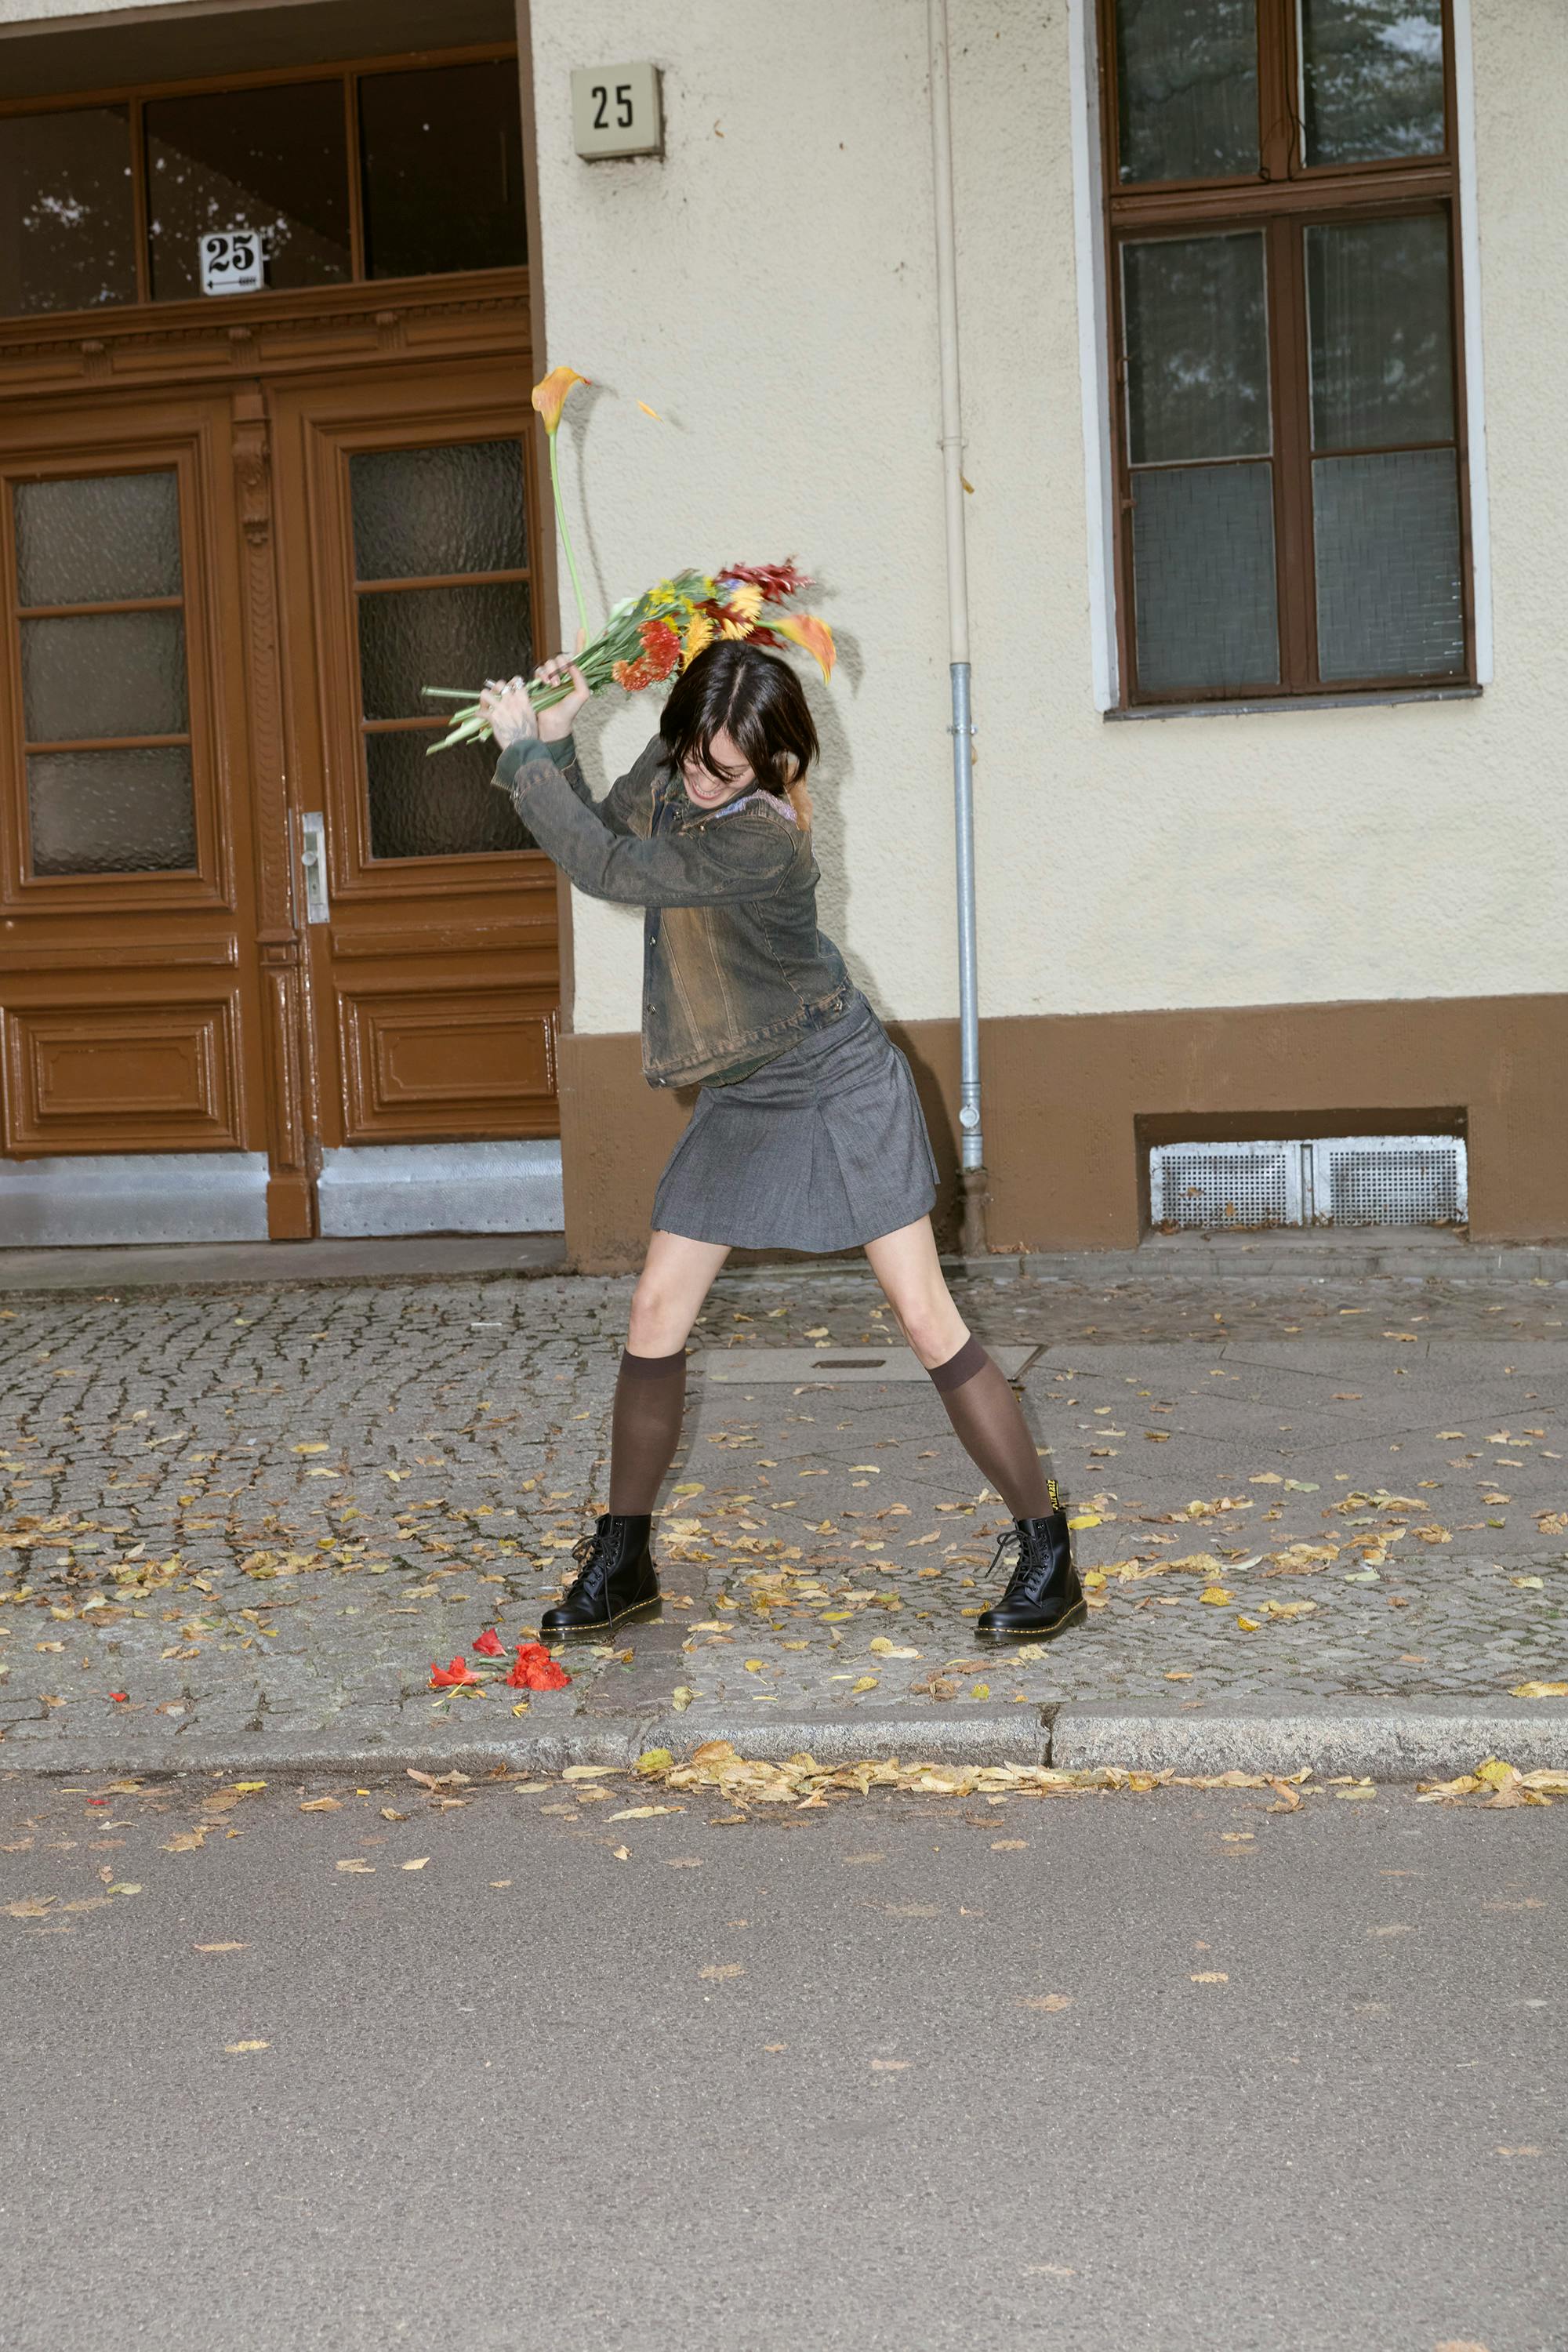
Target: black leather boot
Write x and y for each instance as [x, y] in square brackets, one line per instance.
[1043, 1593]
[616, 1576]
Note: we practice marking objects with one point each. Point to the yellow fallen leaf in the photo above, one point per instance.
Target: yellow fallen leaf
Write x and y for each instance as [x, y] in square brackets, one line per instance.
[874, 1468]
[366, 1868]
[1244, 1625]
[218, 1948]
[881, 1645]
[682, 1698]
[588, 1772]
[755, 1666]
[322, 1805]
[1540, 1690]
[1094, 1579]
[234, 2048]
[720, 1971]
[522, 1707]
[691, 1486]
[1050, 2001]
[125, 1886]
[1179, 1674]
[622, 1853]
[864, 1682]
[979, 1690]
[310, 1449]
[1209, 1976]
[247, 1787]
[30, 1906]
[1216, 1596]
[1085, 1519]
[654, 1759]
[1008, 1845]
[643, 1812]
[424, 1858]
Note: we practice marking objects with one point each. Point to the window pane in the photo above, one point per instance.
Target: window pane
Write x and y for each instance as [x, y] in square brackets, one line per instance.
[441, 807]
[275, 161]
[97, 540]
[457, 507]
[113, 811]
[1198, 348]
[1186, 78]
[1202, 578]
[1378, 293]
[410, 638]
[443, 170]
[114, 674]
[69, 240]
[1390, 598]
[1372, 79]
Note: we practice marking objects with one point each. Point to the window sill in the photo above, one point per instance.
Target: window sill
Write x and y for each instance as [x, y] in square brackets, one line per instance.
[1275, 703]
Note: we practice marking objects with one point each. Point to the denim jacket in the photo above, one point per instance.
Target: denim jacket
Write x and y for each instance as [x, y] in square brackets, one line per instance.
[734, 967]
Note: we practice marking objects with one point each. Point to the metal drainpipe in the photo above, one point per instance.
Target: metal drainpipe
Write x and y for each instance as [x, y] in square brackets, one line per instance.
[972, 1178]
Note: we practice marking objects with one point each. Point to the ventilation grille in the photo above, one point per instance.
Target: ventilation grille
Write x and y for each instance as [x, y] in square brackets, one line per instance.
[1359, 1180]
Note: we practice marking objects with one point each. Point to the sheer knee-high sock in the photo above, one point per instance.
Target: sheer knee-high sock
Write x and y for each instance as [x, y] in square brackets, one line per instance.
[644, 1428]
[991, 1428]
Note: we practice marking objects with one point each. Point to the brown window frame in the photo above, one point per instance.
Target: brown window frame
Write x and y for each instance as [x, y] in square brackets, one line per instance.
[135, 97]
[1285, 197]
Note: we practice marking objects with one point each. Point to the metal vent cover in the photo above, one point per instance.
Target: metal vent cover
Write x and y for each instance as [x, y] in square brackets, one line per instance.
[1342, 1180]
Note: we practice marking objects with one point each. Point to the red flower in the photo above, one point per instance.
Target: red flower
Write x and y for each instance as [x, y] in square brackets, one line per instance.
[777, 581]
[455, 1676]
[489, 1644]
[534, 1669]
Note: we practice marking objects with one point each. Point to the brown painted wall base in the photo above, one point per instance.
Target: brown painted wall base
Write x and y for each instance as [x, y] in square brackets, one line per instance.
[1071, 1103]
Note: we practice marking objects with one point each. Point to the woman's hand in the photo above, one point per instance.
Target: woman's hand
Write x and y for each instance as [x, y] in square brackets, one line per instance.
[511, 715]
[556, 723]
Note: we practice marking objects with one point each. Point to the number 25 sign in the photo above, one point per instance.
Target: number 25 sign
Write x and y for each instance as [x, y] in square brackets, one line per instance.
[616, 112]
[234, 261]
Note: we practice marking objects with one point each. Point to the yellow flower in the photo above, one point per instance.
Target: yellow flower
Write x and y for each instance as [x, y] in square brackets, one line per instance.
[698, 634]
[734, 628]
[809, 630]
[746, 600]
[550, 397]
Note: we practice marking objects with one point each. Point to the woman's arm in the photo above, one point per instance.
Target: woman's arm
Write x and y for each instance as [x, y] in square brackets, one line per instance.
[721, 862]
[635, 789]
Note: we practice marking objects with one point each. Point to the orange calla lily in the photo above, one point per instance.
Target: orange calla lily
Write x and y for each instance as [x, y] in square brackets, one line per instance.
[809, 630]
[550, 397]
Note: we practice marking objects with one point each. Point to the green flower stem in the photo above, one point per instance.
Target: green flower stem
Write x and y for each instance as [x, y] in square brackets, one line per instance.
[565, 534]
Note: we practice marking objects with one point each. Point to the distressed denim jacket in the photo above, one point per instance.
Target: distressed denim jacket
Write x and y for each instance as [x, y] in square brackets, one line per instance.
[734, 967]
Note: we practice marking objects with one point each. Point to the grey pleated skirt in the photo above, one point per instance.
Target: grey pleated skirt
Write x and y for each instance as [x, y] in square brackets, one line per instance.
[822, 1149]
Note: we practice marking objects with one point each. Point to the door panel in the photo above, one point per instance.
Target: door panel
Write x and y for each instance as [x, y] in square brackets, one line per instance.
[129, 1012]
[407, 553]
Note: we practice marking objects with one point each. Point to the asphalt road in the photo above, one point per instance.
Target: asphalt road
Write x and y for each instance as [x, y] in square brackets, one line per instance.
[1163, 2070]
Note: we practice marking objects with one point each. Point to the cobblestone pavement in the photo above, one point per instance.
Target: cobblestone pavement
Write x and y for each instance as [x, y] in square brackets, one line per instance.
[253, 1519]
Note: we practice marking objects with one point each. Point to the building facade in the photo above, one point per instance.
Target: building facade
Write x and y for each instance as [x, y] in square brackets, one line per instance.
[1257, 317]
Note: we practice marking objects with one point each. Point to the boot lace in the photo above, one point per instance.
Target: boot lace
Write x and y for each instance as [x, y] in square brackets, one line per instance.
[1027, 1579]
[593, 1572]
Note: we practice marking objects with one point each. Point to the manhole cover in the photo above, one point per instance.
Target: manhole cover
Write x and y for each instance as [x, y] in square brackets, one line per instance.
[831, 1366]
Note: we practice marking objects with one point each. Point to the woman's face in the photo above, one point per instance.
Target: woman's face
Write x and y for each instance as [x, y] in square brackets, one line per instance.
[707, 791]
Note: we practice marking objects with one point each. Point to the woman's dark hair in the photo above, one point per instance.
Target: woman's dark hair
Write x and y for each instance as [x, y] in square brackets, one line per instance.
[757, 699]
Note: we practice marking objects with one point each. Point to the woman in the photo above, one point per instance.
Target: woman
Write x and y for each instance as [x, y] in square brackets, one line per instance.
[807, 1133]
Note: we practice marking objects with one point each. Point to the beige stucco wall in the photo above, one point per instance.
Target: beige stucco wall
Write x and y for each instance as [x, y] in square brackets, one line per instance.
[769, 287]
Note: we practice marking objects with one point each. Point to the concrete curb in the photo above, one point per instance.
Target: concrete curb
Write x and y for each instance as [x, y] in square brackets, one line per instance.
[1375, 1741]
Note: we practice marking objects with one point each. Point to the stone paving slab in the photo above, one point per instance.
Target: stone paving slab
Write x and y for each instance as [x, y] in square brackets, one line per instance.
[261, 1513]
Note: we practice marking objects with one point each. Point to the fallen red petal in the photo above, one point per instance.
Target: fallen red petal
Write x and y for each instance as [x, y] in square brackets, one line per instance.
[489, 1644]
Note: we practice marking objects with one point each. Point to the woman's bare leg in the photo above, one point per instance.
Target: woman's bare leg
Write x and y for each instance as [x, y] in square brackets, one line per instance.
[978, 1398]
[676, 1278]
[650, 1389]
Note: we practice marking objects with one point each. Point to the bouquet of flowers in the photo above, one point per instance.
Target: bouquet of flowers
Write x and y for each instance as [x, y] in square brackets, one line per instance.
[648, 638]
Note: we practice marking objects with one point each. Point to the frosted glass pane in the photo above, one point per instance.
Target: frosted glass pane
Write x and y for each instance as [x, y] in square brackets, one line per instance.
[440, 807]
[456, 508]
[113, 811]
[1186, 87]
[1203, 576]
[443, 169]
[70, 237]
[1198, 348]
[1382, 367]
[1389, 595]
[98, 540]
[410, 638]
[273, 160]
[103, 674]
[1372, 79]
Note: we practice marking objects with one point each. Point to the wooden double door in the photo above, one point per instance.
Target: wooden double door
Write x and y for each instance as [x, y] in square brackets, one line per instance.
[243, 915]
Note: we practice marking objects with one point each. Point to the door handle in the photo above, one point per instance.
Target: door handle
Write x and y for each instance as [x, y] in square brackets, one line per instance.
[313, 863]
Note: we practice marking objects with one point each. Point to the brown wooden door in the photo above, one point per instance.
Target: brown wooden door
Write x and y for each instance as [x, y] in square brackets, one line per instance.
[406, 550]
[129, 991]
